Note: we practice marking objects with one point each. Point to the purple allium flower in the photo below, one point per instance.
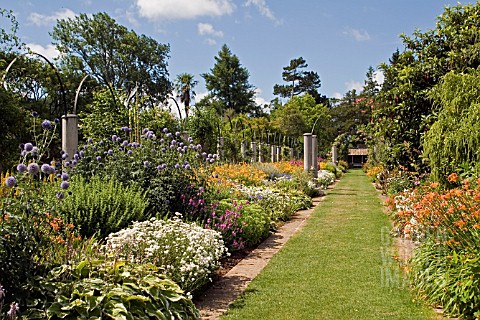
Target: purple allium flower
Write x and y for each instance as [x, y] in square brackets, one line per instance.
[56, 120]
[67, 163]
[181, 144]
[124, 143]
[101, 142]
[114, 138]
[204, 154]
[199, 146]
[21, 146]
[173, 141]
[64, 185]
[28, 146]
[60, 195]
[94, 148]
[165, 130]
[163, 149]
[162, 140]
[145, 130]
[34, 150]
[197, 155]
[209, 155]
[215, 156]
[76, 156]
[169, 135]
[99, 158]
[172, 146]
[47, 125]
[64, 176]
[215, 175]
[146, 163]
[129, 152]
[190, 139]
[150, 134]
[154, 151]
[81, 154]
[159, 167]
[187, 166]
[177, 166]
[177, 134]
[179, 149]
[47, 169]
[167, 201]
[74, 162]
[33, 168]
[110, 151]
[11, 181]
[34, 114]
[212, 160]
[64, 156]
[89, 140]
[21, 167]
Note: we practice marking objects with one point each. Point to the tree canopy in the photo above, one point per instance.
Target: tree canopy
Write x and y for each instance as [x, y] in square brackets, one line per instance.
[228, 84]
[404, 111]
[113, 55]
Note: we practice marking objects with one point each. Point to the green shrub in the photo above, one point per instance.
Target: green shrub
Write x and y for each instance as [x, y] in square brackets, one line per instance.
[110, 289]
[99, 206]
[448, 278]
[254, 221]
[343, 164]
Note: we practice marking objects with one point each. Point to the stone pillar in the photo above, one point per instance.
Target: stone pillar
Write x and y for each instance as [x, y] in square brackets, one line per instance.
[279, 153]
[334, 154]
[315, 156]
[292, 153]
[266, 157]
[254, 151]
[260, 153]
[307, 151]
[70, 135]
[274, 153]
[243, 150]
[220, 144]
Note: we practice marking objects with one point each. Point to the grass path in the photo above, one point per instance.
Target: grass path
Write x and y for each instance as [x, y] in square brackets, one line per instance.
[338, 267]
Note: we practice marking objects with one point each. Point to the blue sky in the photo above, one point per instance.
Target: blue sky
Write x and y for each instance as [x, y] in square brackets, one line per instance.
[339, 40]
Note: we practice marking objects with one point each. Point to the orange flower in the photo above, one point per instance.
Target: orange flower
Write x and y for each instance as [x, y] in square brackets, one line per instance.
[434, 185]
[453, 177]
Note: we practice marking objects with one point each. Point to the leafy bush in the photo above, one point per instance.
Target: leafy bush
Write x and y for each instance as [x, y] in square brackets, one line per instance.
[185, 252]
[448, 275]
[278, 204]
[343, 164]
[254, 221]
[99, 206]
[164, 165]
[325, 178]
[110, 289]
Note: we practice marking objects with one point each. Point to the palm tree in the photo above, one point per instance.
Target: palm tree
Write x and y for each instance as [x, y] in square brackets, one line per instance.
[184, 84]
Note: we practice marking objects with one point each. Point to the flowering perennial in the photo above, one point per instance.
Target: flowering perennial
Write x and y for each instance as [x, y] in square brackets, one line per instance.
[186, 253]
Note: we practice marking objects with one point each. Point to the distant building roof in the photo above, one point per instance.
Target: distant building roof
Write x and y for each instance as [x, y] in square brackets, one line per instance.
[358, 152]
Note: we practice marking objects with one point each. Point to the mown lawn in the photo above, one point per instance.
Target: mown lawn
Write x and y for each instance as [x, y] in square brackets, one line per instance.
[339, 266]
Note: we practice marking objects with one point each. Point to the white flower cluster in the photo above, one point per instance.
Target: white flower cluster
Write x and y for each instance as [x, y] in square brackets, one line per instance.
[280, 205]
[325, 178]
[187, 253]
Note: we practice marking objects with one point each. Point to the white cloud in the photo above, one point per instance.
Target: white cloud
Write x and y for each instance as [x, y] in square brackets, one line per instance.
[352, 84]
[183, 9]
[39, 19]
[379, 77]
[357, 34]
[258, 99]
[264, 9]
[337, 95]
[49, 51]
[210, 42]
[207, 29]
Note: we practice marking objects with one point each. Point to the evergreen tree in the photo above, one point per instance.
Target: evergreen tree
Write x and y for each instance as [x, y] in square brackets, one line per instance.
[228, 84]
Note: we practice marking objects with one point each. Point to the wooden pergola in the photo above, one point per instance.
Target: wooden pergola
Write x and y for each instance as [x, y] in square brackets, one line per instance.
[357, 157]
